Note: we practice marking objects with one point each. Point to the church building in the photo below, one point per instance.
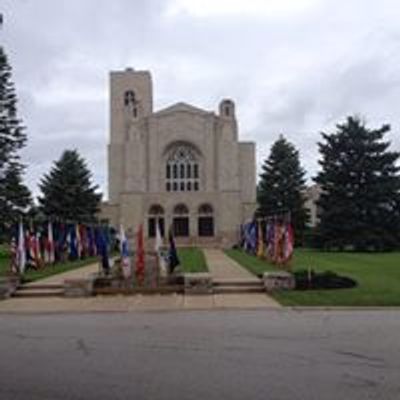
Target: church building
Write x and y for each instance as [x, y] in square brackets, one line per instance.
[181, 166]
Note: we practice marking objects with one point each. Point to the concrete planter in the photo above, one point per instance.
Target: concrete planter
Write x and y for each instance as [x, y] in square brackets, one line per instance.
[78, 287]
[8, 286]
[280, 280]
[198, 283]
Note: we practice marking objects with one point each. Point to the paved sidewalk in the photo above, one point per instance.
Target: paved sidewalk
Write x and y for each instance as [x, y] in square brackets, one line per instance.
[120, 303]
[223, 267]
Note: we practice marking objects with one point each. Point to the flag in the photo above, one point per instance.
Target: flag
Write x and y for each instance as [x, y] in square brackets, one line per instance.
[247, 236]
[173, 259]
[140, 255]
[260, 241]
[252, 236]
[125, 260]
[279, 243]
[31, 248]
[289, 242]
[157, 247]
[21, 249]
[84, 240]
[63, 243]
[78, 242]
[72, 243]
[270, 238]
[50, 244]
[102, 250]
[38, 250]
[91, 241]
[14, 256]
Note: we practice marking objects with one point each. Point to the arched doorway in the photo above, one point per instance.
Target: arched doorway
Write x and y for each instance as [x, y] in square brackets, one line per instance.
[205, 222]
[180, 221]
[155, 215]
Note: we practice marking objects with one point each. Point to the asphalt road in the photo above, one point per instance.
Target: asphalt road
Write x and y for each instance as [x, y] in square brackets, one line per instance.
[201, 355]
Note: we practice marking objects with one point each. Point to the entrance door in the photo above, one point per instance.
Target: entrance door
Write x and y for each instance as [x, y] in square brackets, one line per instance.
[181, 226]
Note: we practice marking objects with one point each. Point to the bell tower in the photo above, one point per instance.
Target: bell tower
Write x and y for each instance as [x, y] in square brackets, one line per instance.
[131, 99]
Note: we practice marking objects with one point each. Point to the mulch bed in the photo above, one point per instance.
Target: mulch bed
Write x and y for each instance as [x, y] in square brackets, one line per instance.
[322, 280]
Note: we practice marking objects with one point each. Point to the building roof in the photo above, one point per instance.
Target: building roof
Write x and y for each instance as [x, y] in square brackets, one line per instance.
[182, 107]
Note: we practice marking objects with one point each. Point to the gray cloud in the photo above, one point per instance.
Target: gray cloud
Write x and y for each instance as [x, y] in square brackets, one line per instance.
[292, 70]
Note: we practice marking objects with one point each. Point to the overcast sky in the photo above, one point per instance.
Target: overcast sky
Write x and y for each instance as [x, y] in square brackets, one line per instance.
[293, 66]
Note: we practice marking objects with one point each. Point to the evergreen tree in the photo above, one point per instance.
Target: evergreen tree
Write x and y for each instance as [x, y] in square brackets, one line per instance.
[14, 195]
[282, 184]
[67, 191]
[15, 199]
[360, 182]
[12, 133]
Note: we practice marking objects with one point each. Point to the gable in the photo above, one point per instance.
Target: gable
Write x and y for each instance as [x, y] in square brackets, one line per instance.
[182, 107]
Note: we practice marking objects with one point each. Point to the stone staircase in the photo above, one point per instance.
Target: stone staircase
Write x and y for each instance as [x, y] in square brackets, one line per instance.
[39, 290]
[237, 286]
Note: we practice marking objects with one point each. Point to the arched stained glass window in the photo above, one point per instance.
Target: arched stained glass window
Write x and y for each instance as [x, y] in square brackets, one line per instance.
[183, 162]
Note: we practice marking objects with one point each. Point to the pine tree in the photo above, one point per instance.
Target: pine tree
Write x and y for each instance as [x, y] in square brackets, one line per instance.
[12, 133]
[282, 185]
[67, 191]
[15, 199]
[14, 195]
[360, 182]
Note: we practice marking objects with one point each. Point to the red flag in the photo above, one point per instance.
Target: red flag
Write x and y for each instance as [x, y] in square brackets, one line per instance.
[84, 242]
[289, 242]
[140, 256]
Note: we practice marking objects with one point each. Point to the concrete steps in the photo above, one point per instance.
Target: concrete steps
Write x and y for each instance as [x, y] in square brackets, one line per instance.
[236, 286]
[38, 290]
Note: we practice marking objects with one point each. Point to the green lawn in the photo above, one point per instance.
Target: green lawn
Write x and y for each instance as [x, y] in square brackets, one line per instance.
[192, 259]
[377, 275]
[49, 270]
[34, 275]
[4, 260]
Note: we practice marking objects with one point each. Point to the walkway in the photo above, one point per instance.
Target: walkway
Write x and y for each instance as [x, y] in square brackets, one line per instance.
[223, 267]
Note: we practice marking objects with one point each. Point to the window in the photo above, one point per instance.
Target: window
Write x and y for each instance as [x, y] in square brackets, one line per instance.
[205, 221]
[181, 221]
[156, 216]
[206, 226]
[129, 98]
[181, 209]
[183, 163]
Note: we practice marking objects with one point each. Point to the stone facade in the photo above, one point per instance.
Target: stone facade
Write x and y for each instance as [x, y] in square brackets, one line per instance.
[181, 166]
